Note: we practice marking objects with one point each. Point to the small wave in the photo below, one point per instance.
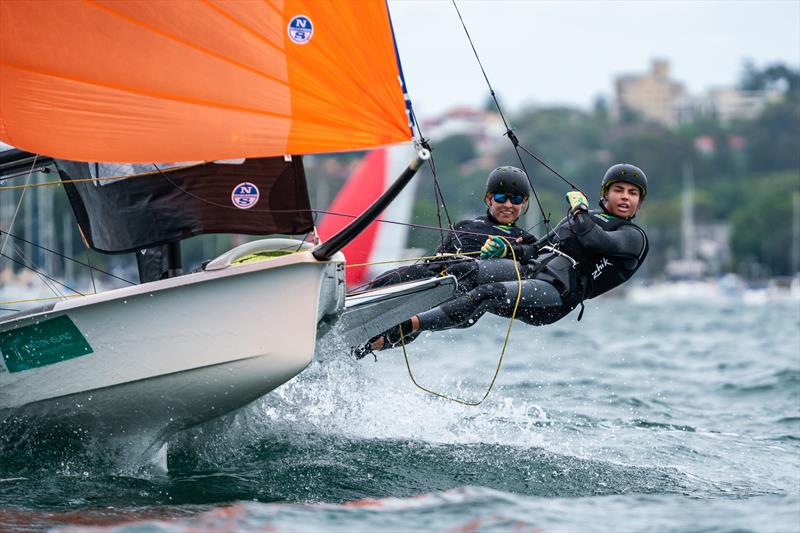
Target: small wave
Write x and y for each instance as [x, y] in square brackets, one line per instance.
[94, 519]
[647, 424]
[470, 508]
[295, 467]
[786, 438]
[452, 510]
[786, 380]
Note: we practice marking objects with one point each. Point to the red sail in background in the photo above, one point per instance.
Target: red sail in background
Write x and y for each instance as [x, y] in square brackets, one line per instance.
[144, 81]
[382, 243]
[363, 188]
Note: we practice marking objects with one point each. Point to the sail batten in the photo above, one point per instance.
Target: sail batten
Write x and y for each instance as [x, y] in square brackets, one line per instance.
[138, 81]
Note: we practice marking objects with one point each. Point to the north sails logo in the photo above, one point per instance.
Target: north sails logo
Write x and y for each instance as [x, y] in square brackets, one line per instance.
[245, 195]
[300, 29]
[598, 268]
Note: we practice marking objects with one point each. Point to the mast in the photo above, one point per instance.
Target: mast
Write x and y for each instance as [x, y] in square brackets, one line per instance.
[687, 220]
[796, 233]
[174, 259]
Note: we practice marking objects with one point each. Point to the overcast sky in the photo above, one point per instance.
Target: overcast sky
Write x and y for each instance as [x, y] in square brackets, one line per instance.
[571, 51]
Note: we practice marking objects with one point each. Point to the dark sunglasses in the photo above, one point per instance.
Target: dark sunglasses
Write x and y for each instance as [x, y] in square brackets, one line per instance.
[501, 198]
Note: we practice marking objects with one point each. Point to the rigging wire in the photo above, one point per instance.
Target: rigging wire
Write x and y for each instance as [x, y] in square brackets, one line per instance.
[89, 262]
[30, 267]
[29, 300]
[43, 277]
[47, 283]
[98, 178]
[510, 132]
[551, 169]
[19, 204]
[437, 190]
[256, 210]
[67, 257]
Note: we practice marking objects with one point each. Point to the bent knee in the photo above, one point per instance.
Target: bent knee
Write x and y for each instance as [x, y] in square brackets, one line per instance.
[489, 291]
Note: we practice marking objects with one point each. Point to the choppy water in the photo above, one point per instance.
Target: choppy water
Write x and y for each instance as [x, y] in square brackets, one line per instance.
[638, 418]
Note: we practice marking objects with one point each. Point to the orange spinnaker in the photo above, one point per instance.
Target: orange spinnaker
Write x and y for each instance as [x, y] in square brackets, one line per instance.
[146, 81]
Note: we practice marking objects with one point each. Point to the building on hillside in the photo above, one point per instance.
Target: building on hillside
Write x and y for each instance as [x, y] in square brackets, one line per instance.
[729, 104]
[653, 95]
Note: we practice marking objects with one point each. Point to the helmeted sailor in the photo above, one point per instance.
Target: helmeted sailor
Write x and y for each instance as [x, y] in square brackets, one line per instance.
[587, 254]
[506, 198]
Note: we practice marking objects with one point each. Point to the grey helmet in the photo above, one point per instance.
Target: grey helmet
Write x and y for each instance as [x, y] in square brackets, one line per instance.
[509, 180]
[627, 173]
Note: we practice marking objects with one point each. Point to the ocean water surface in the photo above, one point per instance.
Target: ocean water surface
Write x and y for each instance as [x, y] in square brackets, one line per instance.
[641, 417]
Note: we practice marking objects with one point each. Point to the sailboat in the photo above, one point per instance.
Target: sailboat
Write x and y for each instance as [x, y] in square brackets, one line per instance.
[113, 94]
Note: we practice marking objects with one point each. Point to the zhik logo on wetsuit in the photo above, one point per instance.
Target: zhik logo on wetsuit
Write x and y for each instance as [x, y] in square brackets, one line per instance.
[300, 29]
[245, 195]
[598, 268]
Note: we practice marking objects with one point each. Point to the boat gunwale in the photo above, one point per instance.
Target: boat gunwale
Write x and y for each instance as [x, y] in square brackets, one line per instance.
[192, 278]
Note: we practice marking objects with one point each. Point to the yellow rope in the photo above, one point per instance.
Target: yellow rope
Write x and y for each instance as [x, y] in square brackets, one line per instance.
[410, 260]
[52, 183]
[43, 299]
[83, 180]
[502, 352]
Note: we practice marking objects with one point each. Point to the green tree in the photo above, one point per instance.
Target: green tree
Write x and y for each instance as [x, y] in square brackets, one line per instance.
[773, 139]
[762, 224]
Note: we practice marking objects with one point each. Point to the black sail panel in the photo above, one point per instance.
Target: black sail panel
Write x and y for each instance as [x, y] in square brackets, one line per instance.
[119, 214]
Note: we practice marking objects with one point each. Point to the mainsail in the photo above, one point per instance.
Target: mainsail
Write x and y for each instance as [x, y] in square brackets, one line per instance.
[124, 208]
[143, 81]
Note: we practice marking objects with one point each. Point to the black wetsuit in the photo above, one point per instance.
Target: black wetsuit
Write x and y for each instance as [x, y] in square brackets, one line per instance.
[469, 236]
[591, 254]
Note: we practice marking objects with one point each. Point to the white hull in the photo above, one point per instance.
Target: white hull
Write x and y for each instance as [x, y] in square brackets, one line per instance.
[174, 353]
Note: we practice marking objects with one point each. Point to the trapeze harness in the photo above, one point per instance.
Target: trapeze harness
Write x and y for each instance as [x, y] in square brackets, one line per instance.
[592, 253]
[467, 237]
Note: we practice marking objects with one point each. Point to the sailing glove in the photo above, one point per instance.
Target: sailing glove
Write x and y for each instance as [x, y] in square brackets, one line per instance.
[494, 247]
[577, 201]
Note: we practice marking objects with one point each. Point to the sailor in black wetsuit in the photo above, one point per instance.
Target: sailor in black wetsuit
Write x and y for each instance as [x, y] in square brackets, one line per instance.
[587, 254]
[506, 197]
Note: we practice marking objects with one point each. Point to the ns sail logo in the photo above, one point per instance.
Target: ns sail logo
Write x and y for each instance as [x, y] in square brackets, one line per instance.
[245, 195]
[300, 29]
